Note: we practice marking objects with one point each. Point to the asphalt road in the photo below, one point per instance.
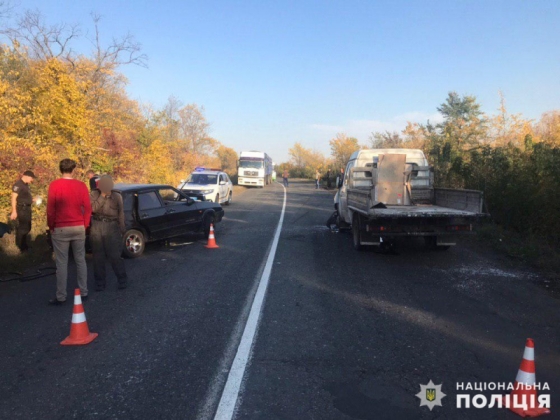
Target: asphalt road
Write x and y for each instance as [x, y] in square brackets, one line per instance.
[343, 334]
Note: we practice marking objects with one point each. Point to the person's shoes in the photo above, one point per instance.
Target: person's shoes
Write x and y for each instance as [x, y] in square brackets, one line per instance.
[99, 288]
[122, 286]
[84, 298]
[56, 302]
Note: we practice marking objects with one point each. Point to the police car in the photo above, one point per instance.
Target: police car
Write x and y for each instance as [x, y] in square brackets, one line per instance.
[208, 185]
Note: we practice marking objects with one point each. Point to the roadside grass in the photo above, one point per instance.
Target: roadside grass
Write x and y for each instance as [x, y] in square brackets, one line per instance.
[13, 262]
[532, 250]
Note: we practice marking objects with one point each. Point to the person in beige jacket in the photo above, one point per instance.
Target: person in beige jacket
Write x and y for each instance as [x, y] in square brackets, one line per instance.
[106, 235]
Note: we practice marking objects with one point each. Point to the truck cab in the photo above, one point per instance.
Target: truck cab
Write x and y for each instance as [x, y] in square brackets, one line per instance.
[420, 179]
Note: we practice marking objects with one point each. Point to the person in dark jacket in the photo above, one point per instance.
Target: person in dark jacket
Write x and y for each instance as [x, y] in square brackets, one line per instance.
[93, 179]
[107, 229]
[329, 179]
[21, 209]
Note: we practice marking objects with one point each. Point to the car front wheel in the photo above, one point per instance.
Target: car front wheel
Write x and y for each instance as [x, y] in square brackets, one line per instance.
[134, 243]
[208, 220]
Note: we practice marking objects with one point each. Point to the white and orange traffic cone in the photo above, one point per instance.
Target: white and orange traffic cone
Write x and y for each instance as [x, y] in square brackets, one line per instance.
[526, 396]
[211, 239]
[79, 331]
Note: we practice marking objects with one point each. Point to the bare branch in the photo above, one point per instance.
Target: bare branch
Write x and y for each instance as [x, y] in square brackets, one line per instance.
[44, 41]
[125, 50]
[6, 9]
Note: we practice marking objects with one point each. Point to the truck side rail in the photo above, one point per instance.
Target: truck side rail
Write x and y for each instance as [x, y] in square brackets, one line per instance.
[465, 200]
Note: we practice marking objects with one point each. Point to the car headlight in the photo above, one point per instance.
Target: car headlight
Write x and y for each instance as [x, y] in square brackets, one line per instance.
[207, 191]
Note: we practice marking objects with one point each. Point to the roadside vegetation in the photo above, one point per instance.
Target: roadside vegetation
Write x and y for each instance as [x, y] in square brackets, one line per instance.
[57, 102]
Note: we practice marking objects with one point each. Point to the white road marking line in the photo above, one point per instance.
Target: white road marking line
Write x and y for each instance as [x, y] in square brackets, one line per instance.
[226, 407]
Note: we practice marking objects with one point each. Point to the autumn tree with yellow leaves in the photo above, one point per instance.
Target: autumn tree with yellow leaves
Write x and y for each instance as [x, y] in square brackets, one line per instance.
[306, 162]
[342, 148]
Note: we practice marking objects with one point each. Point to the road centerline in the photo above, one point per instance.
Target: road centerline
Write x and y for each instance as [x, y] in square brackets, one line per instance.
[232, 388]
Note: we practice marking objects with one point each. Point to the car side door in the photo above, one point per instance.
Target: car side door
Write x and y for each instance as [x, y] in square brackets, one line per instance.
[181, 211]
[152, 214]
[223, 187]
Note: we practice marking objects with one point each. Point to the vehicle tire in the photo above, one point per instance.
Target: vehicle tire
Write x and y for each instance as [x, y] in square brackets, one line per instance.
[217, 200]
[341, 224]
[133, 243]
[356, 226]
[208, 220]
[431, 244]
[230, 198]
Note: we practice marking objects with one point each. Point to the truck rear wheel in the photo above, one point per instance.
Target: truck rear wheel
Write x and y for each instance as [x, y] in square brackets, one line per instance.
[431, 243]
[356, 237]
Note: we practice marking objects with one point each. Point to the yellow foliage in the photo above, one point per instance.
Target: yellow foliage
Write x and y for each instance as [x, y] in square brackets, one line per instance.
[342, 148]
[158, 160]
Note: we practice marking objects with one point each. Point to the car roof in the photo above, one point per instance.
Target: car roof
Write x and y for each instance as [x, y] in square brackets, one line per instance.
[122, 187]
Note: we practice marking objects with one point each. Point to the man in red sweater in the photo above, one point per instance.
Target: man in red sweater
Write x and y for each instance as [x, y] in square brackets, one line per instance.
[68, 216]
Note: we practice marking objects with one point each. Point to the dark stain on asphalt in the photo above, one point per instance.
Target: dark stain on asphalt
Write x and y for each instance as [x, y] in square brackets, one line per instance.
[551, 285]
[383, 401]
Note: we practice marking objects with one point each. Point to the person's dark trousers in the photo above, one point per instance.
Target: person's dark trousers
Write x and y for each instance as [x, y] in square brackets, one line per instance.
[106, 245]
[285, 182]
[328, 183]
[24, 227]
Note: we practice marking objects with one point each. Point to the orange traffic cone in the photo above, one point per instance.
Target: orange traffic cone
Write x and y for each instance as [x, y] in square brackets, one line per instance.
[211, 239]
[79, 331]
[525, 379]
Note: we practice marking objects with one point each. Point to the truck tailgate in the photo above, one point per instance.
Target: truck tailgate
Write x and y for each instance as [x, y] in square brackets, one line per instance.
[448, 203]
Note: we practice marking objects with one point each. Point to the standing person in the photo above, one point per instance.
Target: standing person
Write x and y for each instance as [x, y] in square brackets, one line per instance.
[107, 229]
[93, 179]
[21, 209]
[285, 176]
[68, 216]
[329, 179]
[317, 179]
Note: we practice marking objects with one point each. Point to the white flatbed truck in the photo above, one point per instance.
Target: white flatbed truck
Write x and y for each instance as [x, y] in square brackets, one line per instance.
[389, 193]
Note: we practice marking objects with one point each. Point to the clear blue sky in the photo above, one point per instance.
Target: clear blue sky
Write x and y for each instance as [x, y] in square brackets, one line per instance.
[270, 73]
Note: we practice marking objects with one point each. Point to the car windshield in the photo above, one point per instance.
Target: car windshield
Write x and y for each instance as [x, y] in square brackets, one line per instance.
[254, 164]
[202, 179]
